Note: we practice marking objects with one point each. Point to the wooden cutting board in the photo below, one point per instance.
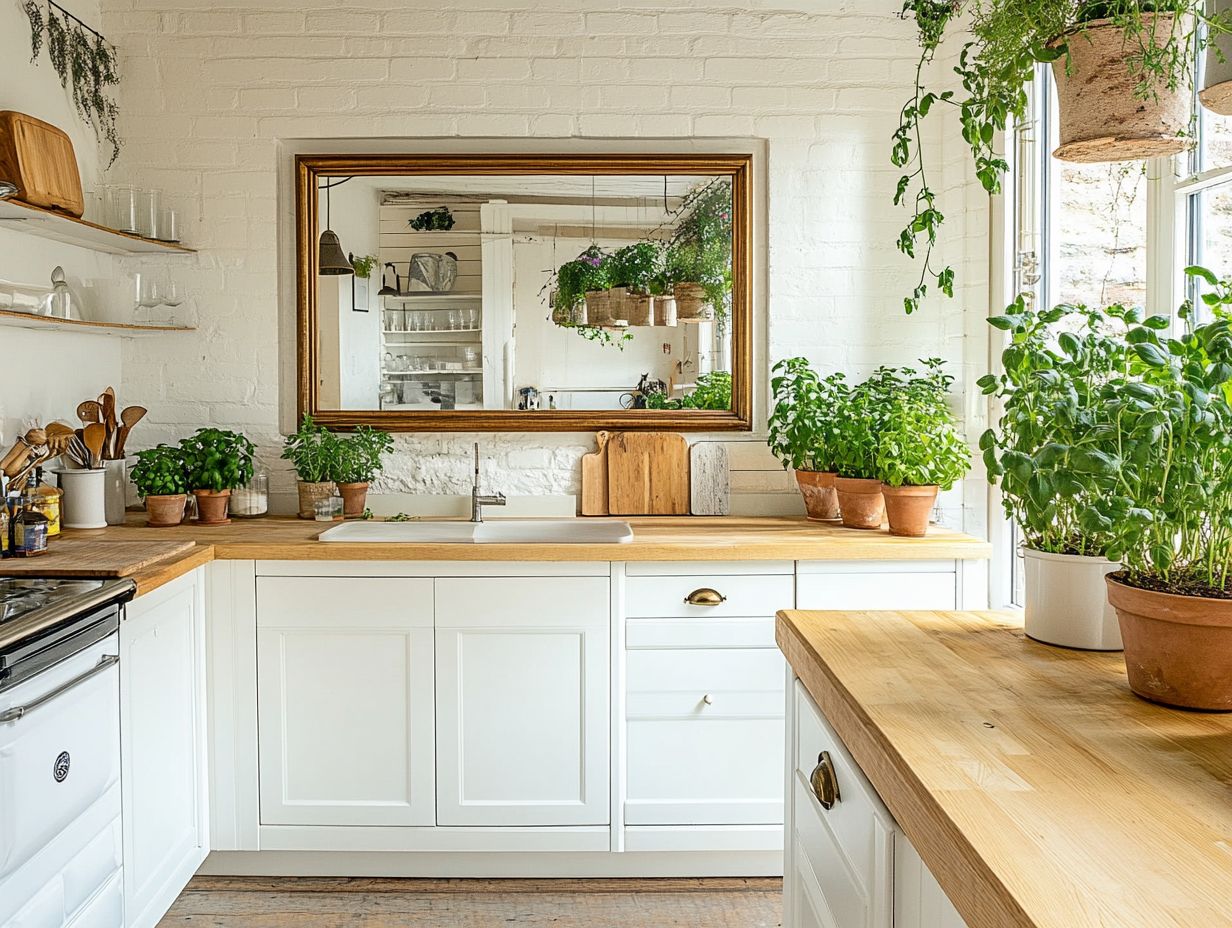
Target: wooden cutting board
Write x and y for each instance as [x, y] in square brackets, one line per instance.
[72, 558]
[709, 479]
[648, 474]
[39, 159]
[594, 478]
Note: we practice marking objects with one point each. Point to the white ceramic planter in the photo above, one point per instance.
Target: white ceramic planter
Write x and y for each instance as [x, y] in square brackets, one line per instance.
[115, 493]
[85, 498]
[1067, 601]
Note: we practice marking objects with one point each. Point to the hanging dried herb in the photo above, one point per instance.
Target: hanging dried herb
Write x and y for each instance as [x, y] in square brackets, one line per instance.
[83, 57]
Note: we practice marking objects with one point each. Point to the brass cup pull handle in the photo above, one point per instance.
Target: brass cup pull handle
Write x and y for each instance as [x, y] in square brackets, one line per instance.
[705, 597]
[824, 782]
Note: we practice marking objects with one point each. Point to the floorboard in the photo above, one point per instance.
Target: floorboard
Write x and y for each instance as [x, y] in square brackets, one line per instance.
[257, 902]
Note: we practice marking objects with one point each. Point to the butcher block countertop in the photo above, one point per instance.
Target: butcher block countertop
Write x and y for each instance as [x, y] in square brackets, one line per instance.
[1035, 786]
[654, 539]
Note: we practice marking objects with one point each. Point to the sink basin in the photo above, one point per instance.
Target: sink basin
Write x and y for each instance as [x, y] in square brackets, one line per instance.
[496, 532]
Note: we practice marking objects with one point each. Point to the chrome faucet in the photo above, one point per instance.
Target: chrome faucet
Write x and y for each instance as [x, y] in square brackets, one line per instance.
[478, 499]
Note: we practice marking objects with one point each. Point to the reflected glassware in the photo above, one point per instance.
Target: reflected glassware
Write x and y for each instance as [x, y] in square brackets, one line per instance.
[472, 319]
[455, 320]
[327, 509]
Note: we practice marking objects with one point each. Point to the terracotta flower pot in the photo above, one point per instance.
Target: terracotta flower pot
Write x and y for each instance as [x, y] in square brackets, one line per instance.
[860, 502]
[1178, 649]
[907, 509]
[165, 511]
[212, 506]
[820, 499]
[354, 499]
[309, 493]
[1102, 119]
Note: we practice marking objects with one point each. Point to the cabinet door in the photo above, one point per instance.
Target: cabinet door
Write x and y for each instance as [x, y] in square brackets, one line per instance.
[522, 705]
[877, 585]
[162, 746]
[919, 901]
[344, 701]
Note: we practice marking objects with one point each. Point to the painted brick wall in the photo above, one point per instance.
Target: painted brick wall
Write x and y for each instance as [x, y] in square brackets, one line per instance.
[211, 90]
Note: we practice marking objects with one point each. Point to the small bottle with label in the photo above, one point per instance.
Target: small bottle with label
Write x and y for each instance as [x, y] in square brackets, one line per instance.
[30, 527]
[5, 548]
[48, 503]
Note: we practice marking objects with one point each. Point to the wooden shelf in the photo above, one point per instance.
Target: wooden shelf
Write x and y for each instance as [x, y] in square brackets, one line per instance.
[432, 297]
[61, 227]
[113, 329]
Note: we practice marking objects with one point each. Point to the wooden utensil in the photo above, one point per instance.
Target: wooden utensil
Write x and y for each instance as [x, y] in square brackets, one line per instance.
[95, 436]
[107, 402]
[89, 411]
[594, 478]
[648, 474]
[129, 417]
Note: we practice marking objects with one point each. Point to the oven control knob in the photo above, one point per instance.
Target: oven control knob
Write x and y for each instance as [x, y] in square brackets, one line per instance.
[60, 769]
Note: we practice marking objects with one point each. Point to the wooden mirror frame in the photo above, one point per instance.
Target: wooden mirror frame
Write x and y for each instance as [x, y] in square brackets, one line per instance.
[310, 168]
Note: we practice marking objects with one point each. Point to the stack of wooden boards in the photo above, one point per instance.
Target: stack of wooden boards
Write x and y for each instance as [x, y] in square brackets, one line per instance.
[653, 474]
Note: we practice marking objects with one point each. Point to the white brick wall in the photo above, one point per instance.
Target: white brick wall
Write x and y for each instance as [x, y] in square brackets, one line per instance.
[211, 89]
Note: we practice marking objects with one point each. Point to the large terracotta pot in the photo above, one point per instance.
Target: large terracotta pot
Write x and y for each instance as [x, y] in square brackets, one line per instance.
[1067, 601]
[1178, 649]
[309, 493]
[1101, 117]
[860, 502]
[907, 509]
[354, 499]
[165, 511]
[820, 498]
[212, 506]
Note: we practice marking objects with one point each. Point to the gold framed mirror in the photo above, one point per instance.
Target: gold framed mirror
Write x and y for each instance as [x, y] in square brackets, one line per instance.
[525, 292]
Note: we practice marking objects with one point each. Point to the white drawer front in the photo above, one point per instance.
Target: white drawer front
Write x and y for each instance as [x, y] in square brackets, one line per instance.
[737, 632]
[333, 602]
[666, 674]
[863, 591]
[858, 823]
[743, 596]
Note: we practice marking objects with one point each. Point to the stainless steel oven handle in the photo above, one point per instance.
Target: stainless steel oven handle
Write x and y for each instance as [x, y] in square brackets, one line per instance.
[17, 712]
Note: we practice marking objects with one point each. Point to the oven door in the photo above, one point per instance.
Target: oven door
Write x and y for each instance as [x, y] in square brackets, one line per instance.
[59, 756]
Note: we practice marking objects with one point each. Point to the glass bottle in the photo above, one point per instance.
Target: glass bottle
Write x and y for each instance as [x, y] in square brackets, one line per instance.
[30, 527]
[5, 539]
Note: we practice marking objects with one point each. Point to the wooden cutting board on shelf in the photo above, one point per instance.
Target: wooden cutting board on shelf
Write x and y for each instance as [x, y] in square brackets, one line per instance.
[73, 558]
[594, 478]
[648, 474]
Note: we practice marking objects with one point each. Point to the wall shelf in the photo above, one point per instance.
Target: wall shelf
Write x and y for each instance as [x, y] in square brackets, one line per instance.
[427, 297]
[113, 329]
[60, 227]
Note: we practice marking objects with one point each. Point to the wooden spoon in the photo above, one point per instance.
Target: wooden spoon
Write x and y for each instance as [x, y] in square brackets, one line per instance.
[89, 411]
[95, 436]
[130, 416]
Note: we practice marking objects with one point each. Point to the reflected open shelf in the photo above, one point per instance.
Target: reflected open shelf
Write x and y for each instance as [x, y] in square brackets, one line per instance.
[432, 375]
[114, 329]
[433, 297]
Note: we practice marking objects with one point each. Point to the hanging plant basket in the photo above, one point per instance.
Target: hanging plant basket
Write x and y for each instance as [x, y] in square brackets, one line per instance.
[1216, 93]
[598, 304]
[691, 304]
[639, 308]
[1102, 118]
[665, 311]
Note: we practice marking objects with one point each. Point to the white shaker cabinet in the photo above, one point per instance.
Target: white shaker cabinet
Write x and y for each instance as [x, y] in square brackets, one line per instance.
[848, 863]
[522, 700]
[162, 746]
[863, 585]
[344, 701]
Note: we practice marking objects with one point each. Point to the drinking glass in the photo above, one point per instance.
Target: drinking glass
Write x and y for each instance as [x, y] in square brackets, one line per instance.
[123, 208]
[472, 319]
[149, 205]
[455, 320]
[168, 224]
[147, 297]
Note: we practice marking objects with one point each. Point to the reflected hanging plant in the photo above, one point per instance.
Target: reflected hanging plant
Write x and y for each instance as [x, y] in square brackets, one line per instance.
[82, 57]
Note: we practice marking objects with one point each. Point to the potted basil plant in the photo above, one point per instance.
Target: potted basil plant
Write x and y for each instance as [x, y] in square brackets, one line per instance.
[314, 453]
[859, 423]
[1054, 453]
[161, 478]
[803, 431]
[217, 461]
[357, 463]
[1170, 517]
[920, 450]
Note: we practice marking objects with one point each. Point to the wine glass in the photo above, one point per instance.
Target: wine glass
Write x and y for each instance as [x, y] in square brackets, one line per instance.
[147, 296]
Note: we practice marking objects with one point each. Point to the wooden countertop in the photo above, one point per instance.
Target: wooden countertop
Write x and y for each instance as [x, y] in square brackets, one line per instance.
[662, 539]
[1035, 786]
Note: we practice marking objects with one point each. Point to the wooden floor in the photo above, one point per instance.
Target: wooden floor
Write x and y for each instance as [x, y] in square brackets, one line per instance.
[255, 902]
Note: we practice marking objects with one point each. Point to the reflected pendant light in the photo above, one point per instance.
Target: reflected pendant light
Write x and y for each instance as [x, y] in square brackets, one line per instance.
[331, 259]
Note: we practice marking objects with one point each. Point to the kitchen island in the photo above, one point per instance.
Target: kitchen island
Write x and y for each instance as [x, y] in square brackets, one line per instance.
[1036, 788]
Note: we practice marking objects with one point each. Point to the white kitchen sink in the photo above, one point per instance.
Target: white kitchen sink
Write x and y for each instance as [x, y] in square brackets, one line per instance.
[498, 531]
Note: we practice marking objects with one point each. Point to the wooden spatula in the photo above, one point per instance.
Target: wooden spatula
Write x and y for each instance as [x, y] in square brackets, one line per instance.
[95, 436]
[129, 417]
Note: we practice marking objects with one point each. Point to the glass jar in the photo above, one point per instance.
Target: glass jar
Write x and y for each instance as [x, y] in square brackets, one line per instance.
[327, 509]
[252, 501]
[29, 528]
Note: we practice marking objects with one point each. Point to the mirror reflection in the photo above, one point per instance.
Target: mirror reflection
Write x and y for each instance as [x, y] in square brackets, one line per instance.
[524, 292]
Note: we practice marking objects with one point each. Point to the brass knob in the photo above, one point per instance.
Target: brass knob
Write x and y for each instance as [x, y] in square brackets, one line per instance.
[824, 782]
[705, 597]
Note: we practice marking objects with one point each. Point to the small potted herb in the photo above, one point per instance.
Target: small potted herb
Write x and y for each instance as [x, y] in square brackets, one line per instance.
[857, 435]
[364, 265]
[160, 477]
[314, 453]
[433, 220]
[803, 430]
[358, 461]
[217, 462]
[920, 450]
[633, 272]
[697, 262]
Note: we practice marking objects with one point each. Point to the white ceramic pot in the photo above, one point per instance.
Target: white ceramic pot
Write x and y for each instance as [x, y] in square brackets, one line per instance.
[85, 498]
[1067, 601]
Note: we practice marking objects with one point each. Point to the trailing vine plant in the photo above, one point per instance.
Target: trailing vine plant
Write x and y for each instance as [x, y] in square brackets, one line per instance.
[82, 57]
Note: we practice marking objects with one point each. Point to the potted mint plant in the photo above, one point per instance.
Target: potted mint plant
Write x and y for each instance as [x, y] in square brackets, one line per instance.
[857, 432]
[803, 431]
[1169, 517]
[217, 461]
[1054, 455]
[920, 449]
[313, 451]
[162, 479]
[357, 462]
